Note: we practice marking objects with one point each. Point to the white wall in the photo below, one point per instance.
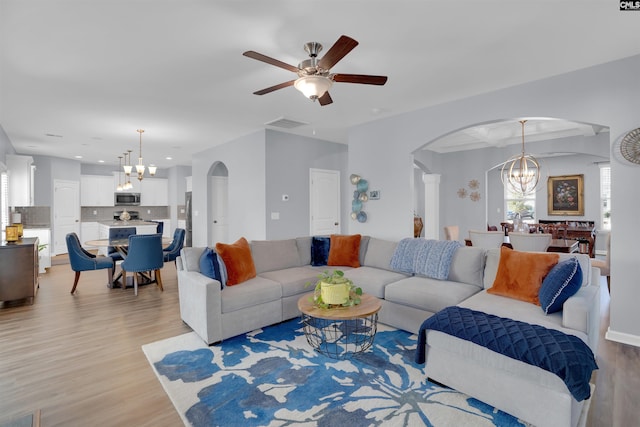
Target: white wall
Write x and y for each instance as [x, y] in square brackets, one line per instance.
[381, 152]
[245, 160]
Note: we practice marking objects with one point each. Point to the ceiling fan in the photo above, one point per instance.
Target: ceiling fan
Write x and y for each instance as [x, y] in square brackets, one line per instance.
[314, 75]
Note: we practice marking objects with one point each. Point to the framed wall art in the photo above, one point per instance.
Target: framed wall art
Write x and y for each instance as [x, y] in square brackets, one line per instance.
[565, 195]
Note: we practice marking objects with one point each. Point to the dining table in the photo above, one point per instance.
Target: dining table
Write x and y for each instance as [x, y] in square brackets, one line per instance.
[122, 246]
[557, 245]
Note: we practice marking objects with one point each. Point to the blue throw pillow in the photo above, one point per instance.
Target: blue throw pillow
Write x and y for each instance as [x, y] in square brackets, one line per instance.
[210, 265]
[562, 282]
[320, 250]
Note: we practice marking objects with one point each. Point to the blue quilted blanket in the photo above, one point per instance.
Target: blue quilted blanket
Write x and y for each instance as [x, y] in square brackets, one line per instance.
[430, 258]
[566, 356]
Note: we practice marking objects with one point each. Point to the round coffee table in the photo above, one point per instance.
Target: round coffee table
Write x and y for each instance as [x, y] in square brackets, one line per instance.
[340, 332]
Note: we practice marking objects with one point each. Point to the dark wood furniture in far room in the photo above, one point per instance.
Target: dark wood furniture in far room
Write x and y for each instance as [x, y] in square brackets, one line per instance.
[576, 230]
[19, 269]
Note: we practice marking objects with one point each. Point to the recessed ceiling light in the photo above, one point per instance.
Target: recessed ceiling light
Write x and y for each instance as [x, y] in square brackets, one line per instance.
[100, 161]
[168, 158]
[78, 157]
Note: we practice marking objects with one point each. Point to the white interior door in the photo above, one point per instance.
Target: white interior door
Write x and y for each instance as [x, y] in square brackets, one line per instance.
[325, 201]
[66, 213]
[219, 228]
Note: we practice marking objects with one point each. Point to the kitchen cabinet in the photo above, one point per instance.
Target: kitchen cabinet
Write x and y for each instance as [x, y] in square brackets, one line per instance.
[20, 172]
[154, 192]
[44, 239]
[121, 178]
[95, 190]
[189, 183]
[19, 266]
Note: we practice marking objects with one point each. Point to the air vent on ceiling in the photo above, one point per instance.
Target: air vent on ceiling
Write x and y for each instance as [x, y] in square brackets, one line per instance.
[285, 123]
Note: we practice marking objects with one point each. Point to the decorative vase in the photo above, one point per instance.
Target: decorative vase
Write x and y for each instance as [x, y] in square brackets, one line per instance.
[124, 216]
[334, 293]
[417, 226]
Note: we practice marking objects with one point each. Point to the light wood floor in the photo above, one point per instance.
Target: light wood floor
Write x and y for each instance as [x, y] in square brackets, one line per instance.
[79, 359]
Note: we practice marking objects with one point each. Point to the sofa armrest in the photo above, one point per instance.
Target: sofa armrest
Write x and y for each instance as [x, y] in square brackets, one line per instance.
[201, 304]
[582, 312]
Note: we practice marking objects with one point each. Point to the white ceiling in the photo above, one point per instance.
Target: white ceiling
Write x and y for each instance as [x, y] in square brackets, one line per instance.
[79, 77]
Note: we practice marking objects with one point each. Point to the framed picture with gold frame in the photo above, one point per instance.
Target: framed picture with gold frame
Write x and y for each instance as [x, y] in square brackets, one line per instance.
[565, 195]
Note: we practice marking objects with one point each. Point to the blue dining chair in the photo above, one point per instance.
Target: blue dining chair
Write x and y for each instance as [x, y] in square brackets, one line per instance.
[118, 233]
[172, 251]
[82, 260]
[144, 254]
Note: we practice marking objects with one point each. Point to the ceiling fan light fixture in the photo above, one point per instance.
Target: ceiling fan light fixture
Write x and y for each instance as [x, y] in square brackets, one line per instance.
[313, 87]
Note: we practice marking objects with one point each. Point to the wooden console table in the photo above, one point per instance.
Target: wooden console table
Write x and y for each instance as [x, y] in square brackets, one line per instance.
[19, 267]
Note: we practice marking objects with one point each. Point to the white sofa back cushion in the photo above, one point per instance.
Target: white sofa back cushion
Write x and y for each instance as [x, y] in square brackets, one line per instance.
[270, 255]
[493, 260]
[190, 258]
[379, 253]
[467, 265]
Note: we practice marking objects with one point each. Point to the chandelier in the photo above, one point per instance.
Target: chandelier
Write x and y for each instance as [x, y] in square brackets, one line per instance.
[140, 166]
[119, 188]
[127, 171]
[521, 172]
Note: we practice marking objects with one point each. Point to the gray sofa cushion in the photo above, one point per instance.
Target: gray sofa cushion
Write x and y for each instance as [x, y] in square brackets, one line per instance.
[373, 280]
[379, 253]
[294, 280]
[251, 293]
[467, 266]
[270, 255]
[304, 249]
[428, 294]
[190, 257]
[364, 245]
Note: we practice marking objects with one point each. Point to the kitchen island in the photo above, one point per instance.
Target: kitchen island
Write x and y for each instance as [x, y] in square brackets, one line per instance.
[142, 227]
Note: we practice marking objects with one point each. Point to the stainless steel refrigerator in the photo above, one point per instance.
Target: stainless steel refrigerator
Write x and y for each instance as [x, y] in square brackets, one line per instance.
[187, 213]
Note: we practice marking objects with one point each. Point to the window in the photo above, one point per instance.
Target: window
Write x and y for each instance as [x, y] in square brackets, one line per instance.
[515, 203]
[605, 196]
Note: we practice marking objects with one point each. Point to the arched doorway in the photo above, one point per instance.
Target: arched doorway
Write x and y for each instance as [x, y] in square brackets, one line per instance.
[218, 207]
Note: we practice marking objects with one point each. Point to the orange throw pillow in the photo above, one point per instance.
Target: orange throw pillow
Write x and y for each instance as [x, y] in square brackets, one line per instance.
[344, 250]
[237, 260]
[520, 274]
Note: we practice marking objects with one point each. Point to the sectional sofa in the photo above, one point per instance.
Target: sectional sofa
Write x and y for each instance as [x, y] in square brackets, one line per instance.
[283, 269]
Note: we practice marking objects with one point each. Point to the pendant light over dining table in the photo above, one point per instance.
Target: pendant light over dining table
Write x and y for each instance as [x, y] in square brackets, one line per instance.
[140, 166]
[521, 173]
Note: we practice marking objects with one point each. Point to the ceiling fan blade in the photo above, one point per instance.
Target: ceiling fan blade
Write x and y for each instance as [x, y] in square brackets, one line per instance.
[269, 60]
[338, 51]
[276, 87]
[325, 99]
[360, 78]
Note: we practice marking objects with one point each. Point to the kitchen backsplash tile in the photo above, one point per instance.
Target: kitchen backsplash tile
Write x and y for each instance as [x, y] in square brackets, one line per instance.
[34, 216]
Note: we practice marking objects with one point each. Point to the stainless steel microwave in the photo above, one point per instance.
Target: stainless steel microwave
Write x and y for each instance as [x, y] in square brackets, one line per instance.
[126, 199]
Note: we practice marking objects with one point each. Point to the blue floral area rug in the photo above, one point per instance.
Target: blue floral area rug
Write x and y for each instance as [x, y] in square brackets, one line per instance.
[272, 377]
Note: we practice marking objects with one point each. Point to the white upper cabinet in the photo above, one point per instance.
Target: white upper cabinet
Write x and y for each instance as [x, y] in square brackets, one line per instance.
[154, 192]
[189, 183]
[20, 171]
[96, 190]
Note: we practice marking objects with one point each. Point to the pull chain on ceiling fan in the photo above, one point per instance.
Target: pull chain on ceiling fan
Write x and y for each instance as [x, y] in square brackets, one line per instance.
[314, 76]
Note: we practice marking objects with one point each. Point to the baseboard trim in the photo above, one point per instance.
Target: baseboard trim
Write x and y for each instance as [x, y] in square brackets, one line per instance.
[622, 337]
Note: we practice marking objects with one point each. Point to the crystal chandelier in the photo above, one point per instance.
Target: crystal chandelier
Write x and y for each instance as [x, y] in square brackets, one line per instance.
[521, 173]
